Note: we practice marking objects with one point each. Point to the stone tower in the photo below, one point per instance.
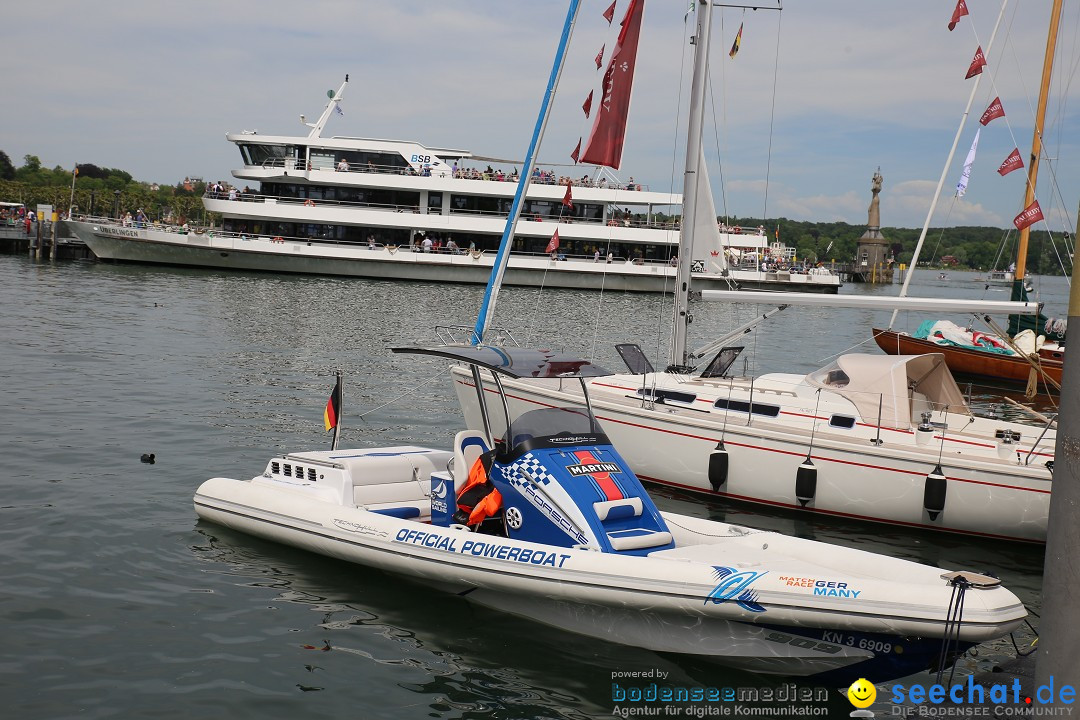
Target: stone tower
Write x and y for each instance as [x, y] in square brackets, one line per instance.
[873, 264]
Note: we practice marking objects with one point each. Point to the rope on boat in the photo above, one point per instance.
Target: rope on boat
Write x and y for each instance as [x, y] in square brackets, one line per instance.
[407, 393]
[950, 641]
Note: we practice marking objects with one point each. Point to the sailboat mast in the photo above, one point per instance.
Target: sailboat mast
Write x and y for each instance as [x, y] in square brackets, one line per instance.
[1036, 142]
[691, 178]
[491, 293]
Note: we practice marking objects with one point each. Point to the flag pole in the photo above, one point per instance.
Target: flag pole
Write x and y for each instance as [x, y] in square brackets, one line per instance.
[945, 170]
[71, 202]
[487, 306]
[341, 404]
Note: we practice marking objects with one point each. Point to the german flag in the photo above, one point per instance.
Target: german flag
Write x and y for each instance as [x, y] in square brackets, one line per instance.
[333, 407]
[738, 42]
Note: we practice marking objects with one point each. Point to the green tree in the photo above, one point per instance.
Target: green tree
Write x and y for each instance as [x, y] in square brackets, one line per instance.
[7, 170]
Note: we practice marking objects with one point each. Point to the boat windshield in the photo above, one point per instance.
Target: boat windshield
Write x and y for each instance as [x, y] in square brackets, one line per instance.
[552, 422]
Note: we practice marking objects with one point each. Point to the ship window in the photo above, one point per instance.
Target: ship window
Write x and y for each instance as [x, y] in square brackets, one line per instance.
[311, 474]
[288, 471]
[258, 154]
[842, 421]
[275, 467]
[322, 160]
[740, 406]
[668, 396]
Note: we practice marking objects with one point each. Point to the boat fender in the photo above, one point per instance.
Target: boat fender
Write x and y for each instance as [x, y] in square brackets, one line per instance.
[935, 487]
[718, 466]
[805, 482]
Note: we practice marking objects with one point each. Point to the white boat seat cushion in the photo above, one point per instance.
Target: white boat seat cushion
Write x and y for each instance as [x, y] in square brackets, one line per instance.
[468, 445]
[637, 539]
[618, 509]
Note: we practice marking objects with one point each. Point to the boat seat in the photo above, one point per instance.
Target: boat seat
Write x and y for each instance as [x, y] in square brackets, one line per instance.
[468, 445]
[610, 510]
[393, 492]
[637, 538]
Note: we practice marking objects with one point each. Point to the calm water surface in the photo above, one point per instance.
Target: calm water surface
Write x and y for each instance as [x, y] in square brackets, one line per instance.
[118, 602]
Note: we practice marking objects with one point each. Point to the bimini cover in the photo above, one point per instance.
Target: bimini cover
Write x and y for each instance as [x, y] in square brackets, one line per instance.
[515, 362]
[904, 385]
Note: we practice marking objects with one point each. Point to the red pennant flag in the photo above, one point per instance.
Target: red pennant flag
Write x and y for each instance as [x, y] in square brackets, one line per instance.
[994, 111]
[610, 13]
[577, 151]
[600, 56]
[567, 200]
[605, 143]
[1013, 162]
[1031, 215]
[977, 64]
[960, 11]
[333, 407]
[553, 244]
[587, 107]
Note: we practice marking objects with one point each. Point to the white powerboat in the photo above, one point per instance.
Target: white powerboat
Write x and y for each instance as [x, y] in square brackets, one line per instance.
[576, 542]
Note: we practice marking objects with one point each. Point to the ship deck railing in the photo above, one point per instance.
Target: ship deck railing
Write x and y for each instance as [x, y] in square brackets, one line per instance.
[547, 177]
[249, 197]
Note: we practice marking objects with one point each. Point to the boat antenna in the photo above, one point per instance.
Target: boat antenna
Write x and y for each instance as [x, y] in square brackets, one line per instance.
[498, 269]
[945, 170]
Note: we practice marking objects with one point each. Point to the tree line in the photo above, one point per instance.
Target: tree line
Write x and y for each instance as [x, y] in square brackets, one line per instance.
[98, 191]
[101, 191]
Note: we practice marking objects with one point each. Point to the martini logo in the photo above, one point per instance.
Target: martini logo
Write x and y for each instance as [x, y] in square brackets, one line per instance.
[593, 468]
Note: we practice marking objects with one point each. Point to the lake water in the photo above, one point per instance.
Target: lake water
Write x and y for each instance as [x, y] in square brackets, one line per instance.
[118, 603]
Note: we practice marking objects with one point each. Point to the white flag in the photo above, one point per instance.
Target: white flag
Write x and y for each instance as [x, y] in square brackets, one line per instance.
[961, 187]
[337, 108]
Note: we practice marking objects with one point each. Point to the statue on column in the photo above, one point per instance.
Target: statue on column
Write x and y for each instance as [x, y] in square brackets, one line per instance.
[874, 219]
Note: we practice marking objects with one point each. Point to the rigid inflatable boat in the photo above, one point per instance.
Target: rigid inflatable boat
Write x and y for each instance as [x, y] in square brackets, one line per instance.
[577, 543]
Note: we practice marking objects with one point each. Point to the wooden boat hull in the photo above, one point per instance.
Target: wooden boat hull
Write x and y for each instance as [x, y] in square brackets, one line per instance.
[965, 361]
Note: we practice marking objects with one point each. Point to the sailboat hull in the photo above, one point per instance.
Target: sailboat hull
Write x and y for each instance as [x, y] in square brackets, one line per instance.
[995, 492]
[969, 362]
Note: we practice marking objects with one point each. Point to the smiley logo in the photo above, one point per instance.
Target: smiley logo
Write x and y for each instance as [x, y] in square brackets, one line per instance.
[862, 693]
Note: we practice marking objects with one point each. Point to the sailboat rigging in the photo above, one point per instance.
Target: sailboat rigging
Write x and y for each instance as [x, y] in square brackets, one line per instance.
[891, 440]
[1031, 361]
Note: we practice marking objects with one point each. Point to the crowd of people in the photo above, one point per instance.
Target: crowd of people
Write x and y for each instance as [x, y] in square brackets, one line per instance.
[539, 177]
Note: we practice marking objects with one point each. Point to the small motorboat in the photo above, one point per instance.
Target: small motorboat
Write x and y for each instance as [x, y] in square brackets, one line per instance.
[573, 540]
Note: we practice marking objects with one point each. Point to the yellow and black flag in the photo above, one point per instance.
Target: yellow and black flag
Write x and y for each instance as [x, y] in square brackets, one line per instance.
[735, 45]
[333, 407]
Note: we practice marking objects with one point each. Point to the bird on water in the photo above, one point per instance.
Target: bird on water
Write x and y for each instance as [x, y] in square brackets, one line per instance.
[147, 458]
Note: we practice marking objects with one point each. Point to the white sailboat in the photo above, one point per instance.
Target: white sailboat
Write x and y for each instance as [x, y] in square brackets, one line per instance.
[884, 439]
[569, 537]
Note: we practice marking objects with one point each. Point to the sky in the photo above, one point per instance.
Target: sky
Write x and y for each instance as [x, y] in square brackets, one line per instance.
[820, 95]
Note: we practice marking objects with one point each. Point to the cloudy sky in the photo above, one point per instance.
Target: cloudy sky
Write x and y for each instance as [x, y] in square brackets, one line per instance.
[819, 96]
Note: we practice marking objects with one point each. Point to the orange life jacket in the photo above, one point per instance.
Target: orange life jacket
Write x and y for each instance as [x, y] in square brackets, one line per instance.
[478, 498]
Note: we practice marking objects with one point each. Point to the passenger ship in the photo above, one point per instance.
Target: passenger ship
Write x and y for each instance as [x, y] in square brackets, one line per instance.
[401, 210]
